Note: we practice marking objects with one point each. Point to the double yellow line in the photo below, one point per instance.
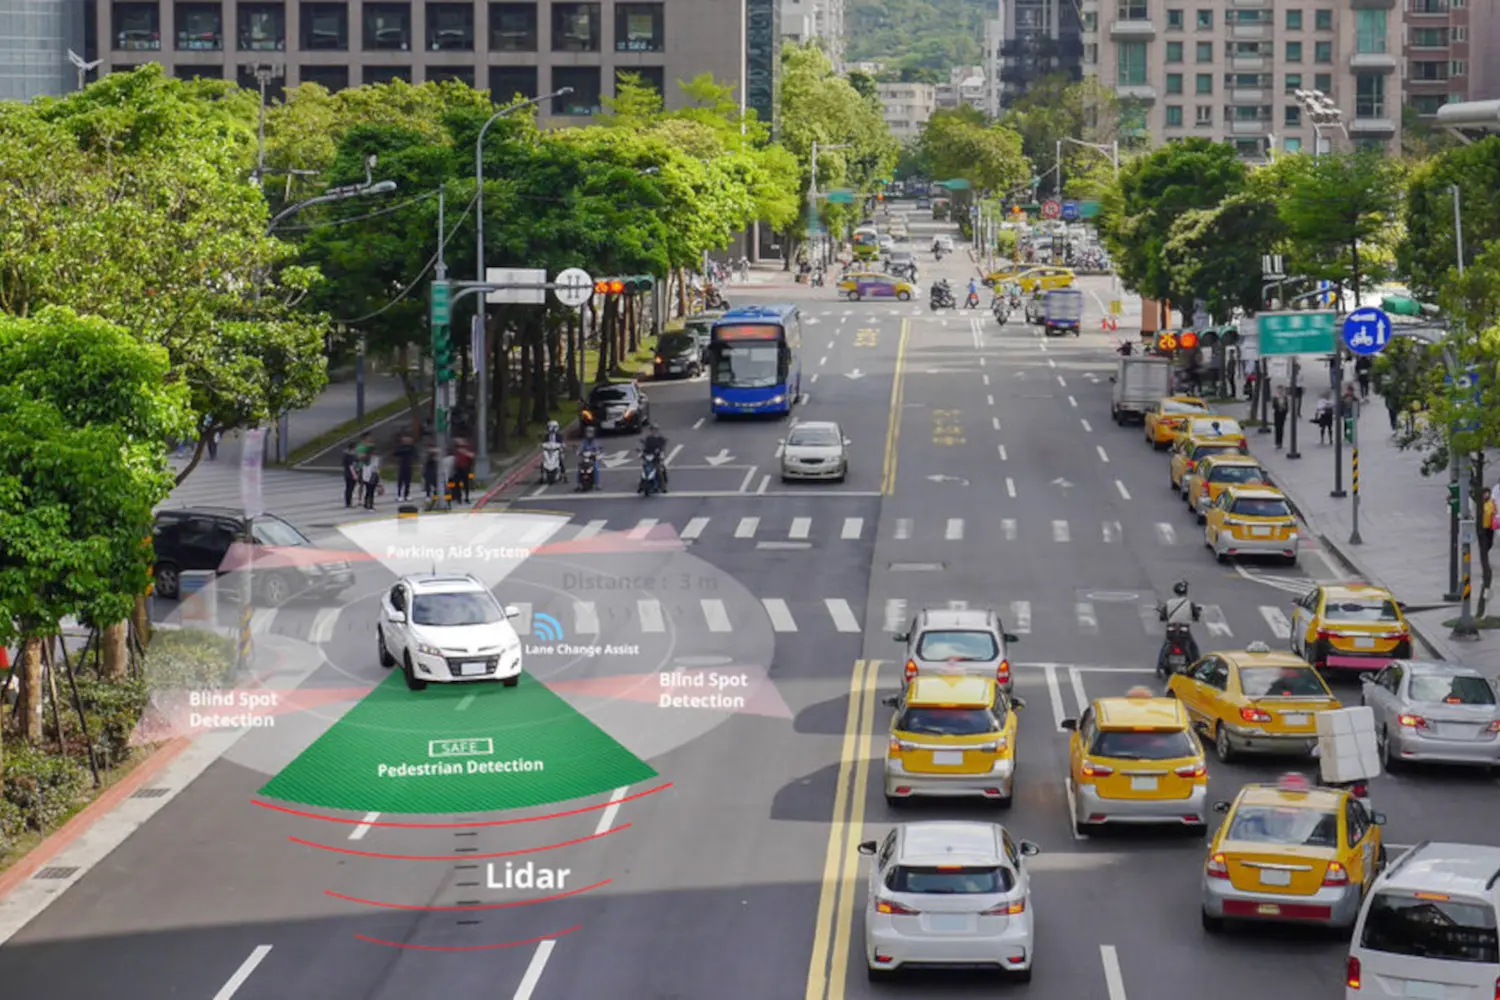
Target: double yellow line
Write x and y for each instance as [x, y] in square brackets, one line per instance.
[828, 970]
[893, 428]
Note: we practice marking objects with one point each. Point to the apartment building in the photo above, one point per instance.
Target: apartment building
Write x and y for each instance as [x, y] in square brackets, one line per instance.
[1446, 45]
[525, 48]
[1228, 71]
[35, 39]
[816, 20]
[1038, 38]
[965, 86]
[907, 106]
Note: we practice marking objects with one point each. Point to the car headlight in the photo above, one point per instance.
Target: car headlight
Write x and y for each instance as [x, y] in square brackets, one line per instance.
[778, 399]
[719, 401]
[427, 650]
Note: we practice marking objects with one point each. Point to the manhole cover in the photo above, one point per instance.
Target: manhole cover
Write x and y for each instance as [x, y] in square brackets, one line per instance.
[915, 567]
[56, 873]
[150, 793]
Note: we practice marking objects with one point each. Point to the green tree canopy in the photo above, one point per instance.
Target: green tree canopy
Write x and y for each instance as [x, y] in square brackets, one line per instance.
[1337, 211]
[1429, 250]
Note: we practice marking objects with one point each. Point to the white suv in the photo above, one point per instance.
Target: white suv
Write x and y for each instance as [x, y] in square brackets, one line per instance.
[1428, 927]
[444, 629]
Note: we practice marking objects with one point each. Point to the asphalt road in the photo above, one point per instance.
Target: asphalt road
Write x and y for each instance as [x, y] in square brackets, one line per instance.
[986, 471]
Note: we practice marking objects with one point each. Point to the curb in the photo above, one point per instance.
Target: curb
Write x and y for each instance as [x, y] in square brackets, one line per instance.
[75, 828]
[522, 468]
[306, 465]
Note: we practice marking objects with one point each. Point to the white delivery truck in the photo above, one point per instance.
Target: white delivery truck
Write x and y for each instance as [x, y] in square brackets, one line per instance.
[1140, 383]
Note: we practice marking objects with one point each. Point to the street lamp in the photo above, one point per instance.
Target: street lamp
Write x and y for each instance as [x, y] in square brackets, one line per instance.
[1323, 114]
[481, 366]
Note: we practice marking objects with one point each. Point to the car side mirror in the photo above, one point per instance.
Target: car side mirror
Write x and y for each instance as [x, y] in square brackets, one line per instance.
[1029, 850]
[511, 611]
[1011, 637]
[1401, 605]
[1071, 725]
[847, 441]
[1221, 807]
[1112, 378]
[1018, 703]
[396, 617]
[891, 700]
[868, 847]
[902, 637]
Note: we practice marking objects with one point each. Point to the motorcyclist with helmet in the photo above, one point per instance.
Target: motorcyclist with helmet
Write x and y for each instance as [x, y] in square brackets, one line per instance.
[656, 444]
[555, 436]
[590, 446]
[1178, 613]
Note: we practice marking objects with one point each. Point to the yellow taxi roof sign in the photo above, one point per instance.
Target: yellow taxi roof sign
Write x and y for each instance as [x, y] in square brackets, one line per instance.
[951, 690]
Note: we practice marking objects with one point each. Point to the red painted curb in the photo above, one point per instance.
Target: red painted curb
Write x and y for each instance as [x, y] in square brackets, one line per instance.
[522, 468]
[80, 824]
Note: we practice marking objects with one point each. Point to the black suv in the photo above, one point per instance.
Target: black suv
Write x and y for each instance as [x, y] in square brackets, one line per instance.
[678, 356]
[617, 406]
[214, 539]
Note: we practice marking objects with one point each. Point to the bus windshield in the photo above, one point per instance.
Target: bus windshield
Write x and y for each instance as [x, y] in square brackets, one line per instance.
[747, 366]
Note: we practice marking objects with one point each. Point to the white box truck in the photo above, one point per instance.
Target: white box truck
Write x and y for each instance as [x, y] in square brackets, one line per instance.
[1140, 382]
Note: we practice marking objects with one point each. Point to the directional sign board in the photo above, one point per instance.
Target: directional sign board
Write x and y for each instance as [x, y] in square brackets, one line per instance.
[574, 287]
[441, 311]
[516, 276]
[1069, 211]
[1051, 209]
[1297, 332]
[1367, 331]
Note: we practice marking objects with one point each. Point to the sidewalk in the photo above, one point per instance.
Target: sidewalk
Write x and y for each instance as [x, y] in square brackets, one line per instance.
[1403, 521]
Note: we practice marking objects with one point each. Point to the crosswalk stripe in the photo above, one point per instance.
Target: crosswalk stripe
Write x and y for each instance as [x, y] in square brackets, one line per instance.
[650, 614]
[780, 614]
[903, 529]
[1151, 620]
[853, 527]
[746, 527]
[715, 615]
[955, 530]
[1166, 533]
[895, 615]
[1280, 627]
[1111, 532]
[585, 618]
[1087, 621]
[642, 528]
[536, 534]
[1213, 618]
[1059, 531]
[801, 527]
[322, 626]
[1008, 528]
[694, 528]
[1020, 617]
[843, 615]
[590, 530]
[261, 620]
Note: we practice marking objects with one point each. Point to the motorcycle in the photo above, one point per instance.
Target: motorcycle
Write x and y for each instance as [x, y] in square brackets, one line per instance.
[588, 478]
[937, 255]
[1001, 308]
[941, 298]
[1178, 647]
[552, 463]
[972, 302]
[817, 278]
[650, 476]
[713, 300]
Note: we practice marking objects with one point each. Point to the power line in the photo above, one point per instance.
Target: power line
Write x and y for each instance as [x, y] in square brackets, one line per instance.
[360, 218]
[426, 268]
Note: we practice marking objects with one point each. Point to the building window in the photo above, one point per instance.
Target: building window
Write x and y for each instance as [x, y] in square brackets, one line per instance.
[575, 28]
[1369, 32]
[1429, 38]
[1427, 104]
[1174, 83]
[640, 27]
[1174, 19]
[584, 80]
[1323, 82]
[650, 77]
[1292, 115]
[262, 27]
[1205, 20]
[1174, 52]
[325, 28]
[1460, 33]
[1132, 10]
[1205, 52]
[1293, 145]
[1369, 95]
[200, 27]
[1294, 52]
[1323, 51]
[1174, 116]
[1429, 72]
[461, 74]
[1203, 83]
[187, 71]
[387, 74]
[388, 28]
[331, 78]
[1131, 59]
[450, 28]
[513, 27]
[1323, 20]
[1294, 20]
[1293, 83]
[137, 27]
[1458, 67]
[1090, 24]
[1091, 53]
[1203, 114]
[507, 83]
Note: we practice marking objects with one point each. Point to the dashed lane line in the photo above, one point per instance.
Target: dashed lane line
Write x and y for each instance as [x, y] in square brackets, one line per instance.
[1124, 493]
[358, 833]
[1103, 455]
[243, 973]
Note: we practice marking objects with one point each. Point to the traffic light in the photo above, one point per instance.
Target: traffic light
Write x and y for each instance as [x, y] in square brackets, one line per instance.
[1453, 498]
[442, 353]
[609, 286]
[1187, 340]
[639, 284]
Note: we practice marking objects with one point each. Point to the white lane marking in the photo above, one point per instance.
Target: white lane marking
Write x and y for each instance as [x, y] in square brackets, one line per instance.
[1054, 694]
[358, 833]
[589, 530]
[672, 455]
[1062, 382]
[1087, 427]
[261, 620]
[538, 491]
[1335, 571]
[243, 972]
[1050, 362]
[585, 618]
[981, 362]
[801, 527]
[746, 527]
[322, 626]
[780, 614]
[537, 534]
[895, 615]
[1010, 487]
[831, 343]
[649, 612]
[1087, 621]
[823, 360]
[1072, 810]
[986, 379]
[1151, 620]
[694, 528]
[1059, 531]
[1124, 493]
[1280, 627]
[1213, 618]
[699, 422]
[843, 615]
[814, 379]
[1103, 455]
[1079, 695]
[853, 526]
[1072, 402]
[1114, 982]
[1020, 617]
[995, 423]
[1008, 528]
[1003, 456]
[749, 475]
[1166, 533]
[764, 483]
[464, 702]
[607, 819]
[535, 969]
[1111, 530]
[715, 614]
[955, 530]
[642, 529]
[990, 400]
[903, 528]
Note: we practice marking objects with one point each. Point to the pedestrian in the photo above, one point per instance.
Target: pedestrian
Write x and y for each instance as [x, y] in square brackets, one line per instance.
[1362, 373]
[430, 473]
[1280, 406]
[365, 448]
[463, 469]
[1231, 374]
[406, 458]
[213, 445]
[1393, 409]
[1323, 417]
[1486, 533]
[370, 476]
[350, 462]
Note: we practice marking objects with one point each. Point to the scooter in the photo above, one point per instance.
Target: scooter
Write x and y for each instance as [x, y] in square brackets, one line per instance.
[1001, 308]
[650, 478]
[588, 480]
[1178, 647]
[941, 298]
[817, 278]
[552, 463]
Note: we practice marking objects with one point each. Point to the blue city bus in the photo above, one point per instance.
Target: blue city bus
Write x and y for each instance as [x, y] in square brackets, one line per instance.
[755, 360]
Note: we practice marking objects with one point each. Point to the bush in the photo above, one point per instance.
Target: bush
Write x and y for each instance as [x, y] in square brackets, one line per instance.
[113, 709]
[188, 659]
[41, 786]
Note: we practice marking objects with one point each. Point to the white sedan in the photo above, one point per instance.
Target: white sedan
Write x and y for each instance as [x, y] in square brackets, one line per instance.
[815, 450]
[443, 629]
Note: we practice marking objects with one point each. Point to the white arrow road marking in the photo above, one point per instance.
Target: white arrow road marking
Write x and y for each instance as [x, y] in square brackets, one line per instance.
[1111, 532]
[1020, 617]
[642, 529]
[842, 614]
[903, 529]
[1008, 528]
[1087, 621]
[1280, 627]
[895, 615]
[856, 373]
[853, 527]
[649, 612]
[247, 967]
[801, 527]
[589, 530]
[722, 457]
[1166, 533]
[746, 527]
[780, 614]
[693, 528]
[615, 459]
[1059, 531]
[1213, 617]
[1124, 493]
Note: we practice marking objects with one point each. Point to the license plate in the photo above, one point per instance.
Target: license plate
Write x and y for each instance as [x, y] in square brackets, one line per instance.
[608, 425]
[1273, 876]
[1260, 532]
[1364, 642]
[1295, 719]
[949, 922]
[1426, 991]
[469, 669]
[948, 758]
[1268, 909]
[1143, 784]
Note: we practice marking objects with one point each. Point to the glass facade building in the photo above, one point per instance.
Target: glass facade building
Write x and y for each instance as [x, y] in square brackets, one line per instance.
[35, 36]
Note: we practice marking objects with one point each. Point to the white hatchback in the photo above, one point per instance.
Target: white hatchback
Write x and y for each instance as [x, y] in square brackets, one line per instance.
[949, 895]
[447, 629]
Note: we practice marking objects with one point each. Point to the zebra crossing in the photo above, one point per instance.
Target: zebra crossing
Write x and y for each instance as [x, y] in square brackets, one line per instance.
[1085, 617]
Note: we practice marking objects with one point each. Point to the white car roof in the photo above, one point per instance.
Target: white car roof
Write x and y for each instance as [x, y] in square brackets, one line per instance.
[1456, 869]
[943, 842]
[816, 425]
[439, 584]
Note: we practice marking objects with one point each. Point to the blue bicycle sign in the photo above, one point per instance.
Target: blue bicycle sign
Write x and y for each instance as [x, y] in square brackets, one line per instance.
[1367, 331]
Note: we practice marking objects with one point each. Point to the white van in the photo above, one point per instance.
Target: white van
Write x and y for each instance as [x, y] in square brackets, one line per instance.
[1427, 929]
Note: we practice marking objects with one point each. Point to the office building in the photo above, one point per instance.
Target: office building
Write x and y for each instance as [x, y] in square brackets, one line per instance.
[906, 107]
[1038, 39]
[1229, 71]
[1446, 46]
[35, 39]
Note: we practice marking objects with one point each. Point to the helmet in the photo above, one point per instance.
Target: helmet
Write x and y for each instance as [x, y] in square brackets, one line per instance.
[1180, 588]
[552, 426]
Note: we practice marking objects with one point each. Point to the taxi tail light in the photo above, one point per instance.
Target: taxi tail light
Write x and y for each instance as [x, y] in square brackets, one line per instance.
[1497, 989]
[1351, 973]
[1002, 672]
[894, 908]
[1413, 721]
[1336, 875]
[1324, 634]
[1191, 465]
[1191, 771]
[1360, 790]
[587, 414]
[1252, 714]
[1010, 909]
[911, 669]
[1092, 770]
[1217, 867]
[658, 359]
[1495, 726]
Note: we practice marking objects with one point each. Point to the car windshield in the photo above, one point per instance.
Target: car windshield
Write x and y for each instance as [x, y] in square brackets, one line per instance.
[1464, 689]
[1202, 451]
[1281, 682]
[1362, 611]
[1237, 474]
[469, 608]
[948, 881]
[1216, 428]
[1259, 824]
[1252, 507]
[973, 646]
[1447, 930]
[1165, 744]
[816, 437]
[675, 343]
[746, 367]
[1177, 406]
[271, 531]
[948, 721]
[611, 394]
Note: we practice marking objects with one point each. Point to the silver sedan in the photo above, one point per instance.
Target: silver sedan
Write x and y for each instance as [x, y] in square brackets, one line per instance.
[815, 450]
[1433, 712]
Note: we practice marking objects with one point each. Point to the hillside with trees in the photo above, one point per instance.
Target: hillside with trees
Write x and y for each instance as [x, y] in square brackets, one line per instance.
[916, 35]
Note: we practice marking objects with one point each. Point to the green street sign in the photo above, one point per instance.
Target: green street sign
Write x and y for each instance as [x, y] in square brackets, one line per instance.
[1088, 209]
[1297, 332]
[841, 196]
[957, 184]
[440, 297]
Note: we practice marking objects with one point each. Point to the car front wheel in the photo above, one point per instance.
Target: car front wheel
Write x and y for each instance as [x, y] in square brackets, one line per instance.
[386, 659]
[168, 581]
[413, 682]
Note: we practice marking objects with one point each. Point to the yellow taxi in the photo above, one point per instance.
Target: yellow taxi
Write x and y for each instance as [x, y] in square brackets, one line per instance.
[1188, 450]
[1214, 427]
[858, 285]
[1167, 418]
[1291, 852]
[952, 736]
[1218, 471]
[1045, 279]
[1251, 521]
[1134, 760]
[1254, 701]
[1355, 627]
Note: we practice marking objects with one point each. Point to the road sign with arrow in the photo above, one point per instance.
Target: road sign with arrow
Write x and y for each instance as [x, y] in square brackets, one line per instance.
[1059, 481]
[614, 459]
[948, 479]
[856, 373]
[721, 458]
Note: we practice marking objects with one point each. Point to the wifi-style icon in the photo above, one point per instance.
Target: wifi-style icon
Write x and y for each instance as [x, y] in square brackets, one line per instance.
[546, 628]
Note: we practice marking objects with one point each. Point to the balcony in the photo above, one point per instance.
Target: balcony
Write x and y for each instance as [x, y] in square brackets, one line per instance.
[1252, 32]
[1250, 4]
[1373, 4]
[1428, 8]
[1253, 127]
[1250, 64]
[1134, 31]
[1377, 62]
[1247, 95]
[1143, 92]
[1372, 126]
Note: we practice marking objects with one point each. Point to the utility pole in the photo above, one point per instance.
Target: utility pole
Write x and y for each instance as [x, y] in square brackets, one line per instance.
[1354, 538]
[442, 358]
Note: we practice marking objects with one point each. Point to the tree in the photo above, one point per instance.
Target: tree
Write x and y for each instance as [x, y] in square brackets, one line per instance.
[932, 35]
[1213, 254]
[1057, 108]
[1336, 210]
[1429, 249]
[961, 143]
